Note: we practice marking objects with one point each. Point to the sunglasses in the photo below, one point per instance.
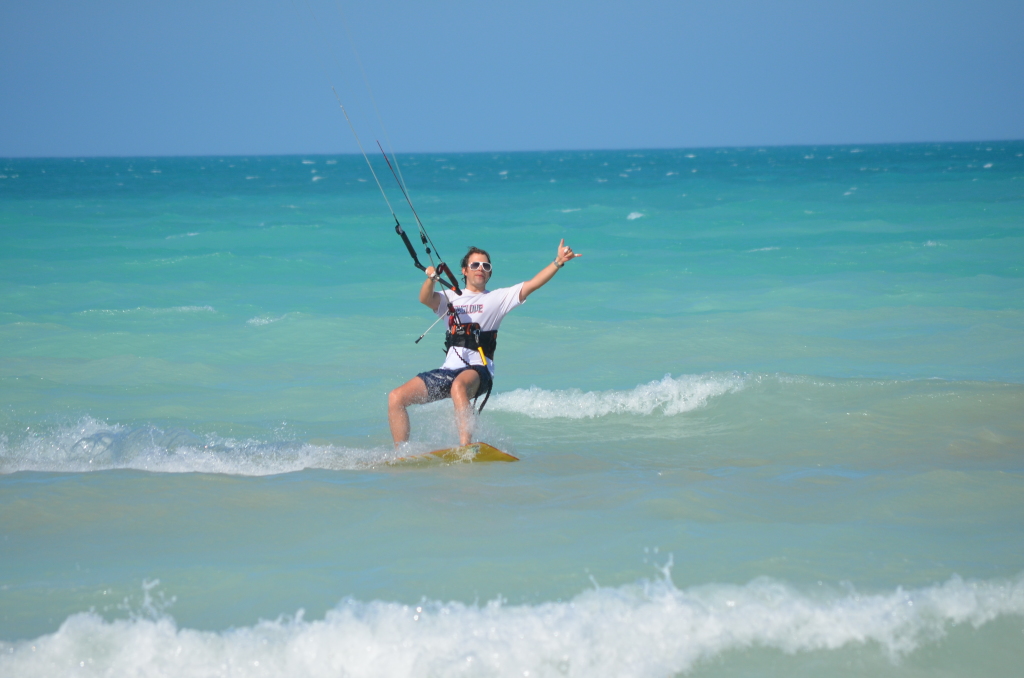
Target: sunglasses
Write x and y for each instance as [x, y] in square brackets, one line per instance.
[480, 264]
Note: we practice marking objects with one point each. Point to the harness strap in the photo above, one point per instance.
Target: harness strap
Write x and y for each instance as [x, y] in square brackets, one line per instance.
[487, 396]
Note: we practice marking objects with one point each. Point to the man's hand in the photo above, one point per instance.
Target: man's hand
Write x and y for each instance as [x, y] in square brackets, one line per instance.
[565, 254]
[428, 297]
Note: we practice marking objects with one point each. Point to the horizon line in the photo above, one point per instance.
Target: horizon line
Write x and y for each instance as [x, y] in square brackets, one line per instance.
[510, 152]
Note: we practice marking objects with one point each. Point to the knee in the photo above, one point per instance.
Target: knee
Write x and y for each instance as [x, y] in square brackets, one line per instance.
[395, 398]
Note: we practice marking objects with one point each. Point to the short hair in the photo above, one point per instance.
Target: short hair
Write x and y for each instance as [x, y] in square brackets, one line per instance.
[465, 260]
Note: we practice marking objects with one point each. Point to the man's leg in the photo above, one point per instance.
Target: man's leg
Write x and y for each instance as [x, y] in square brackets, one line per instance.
[412, 392]
[463, 389]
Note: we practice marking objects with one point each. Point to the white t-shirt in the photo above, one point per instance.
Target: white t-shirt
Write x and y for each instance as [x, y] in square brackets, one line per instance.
[487, 309]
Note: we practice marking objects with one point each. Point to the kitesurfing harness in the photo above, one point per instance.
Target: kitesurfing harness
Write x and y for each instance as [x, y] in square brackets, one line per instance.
[469, 335]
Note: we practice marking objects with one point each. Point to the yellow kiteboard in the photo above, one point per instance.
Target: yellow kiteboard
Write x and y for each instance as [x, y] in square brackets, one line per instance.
[472, 452]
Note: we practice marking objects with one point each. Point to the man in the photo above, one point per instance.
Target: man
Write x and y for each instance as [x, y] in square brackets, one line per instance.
[468, 368]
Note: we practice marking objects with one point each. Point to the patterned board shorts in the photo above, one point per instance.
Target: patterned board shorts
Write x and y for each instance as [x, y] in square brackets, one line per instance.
[439, 381]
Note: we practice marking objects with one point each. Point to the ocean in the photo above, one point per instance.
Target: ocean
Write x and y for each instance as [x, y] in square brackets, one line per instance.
[769, 424]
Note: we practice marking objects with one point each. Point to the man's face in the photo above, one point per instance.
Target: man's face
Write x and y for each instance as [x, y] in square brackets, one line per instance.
[477, 276]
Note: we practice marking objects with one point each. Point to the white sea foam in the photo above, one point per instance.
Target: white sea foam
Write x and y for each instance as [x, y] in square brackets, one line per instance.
[762, 249]
[634, 215]
[646, 629]
[93, 445]
[669, 395]
[261, 320]
[147, 309]
[186, 309]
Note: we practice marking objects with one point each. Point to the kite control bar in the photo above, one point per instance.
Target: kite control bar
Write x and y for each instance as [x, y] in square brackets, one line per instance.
[441, 266]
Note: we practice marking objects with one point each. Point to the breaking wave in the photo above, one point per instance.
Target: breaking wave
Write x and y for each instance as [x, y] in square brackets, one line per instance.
[92, 445]
[650, 628]
[669, 395]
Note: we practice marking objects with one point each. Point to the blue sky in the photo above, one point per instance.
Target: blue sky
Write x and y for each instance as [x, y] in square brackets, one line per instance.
[135, 77]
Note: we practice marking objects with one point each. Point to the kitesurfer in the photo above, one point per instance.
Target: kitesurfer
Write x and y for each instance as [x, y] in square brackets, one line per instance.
[473, 320]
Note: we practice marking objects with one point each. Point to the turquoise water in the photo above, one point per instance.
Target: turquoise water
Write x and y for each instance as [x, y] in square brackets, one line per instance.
[769, 424]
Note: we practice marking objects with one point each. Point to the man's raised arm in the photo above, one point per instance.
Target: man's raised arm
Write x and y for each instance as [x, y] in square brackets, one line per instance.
[565, 254]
